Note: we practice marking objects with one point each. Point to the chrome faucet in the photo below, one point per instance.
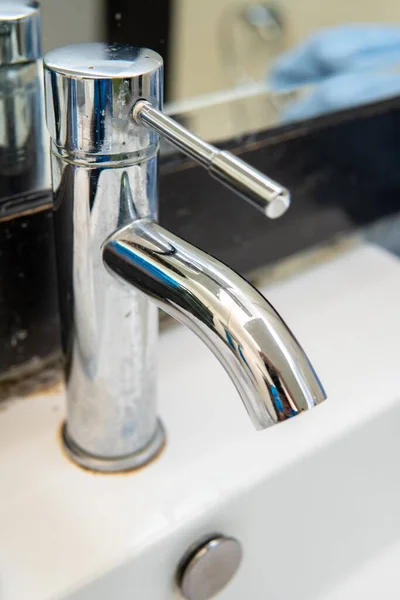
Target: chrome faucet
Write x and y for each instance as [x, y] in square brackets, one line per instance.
[103, 113]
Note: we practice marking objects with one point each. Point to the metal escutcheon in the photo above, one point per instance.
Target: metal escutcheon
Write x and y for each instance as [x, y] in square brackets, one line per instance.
[208, 567]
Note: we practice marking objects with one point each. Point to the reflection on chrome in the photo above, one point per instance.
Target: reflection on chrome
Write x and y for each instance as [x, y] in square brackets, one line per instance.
[267, 365]
[104, 120]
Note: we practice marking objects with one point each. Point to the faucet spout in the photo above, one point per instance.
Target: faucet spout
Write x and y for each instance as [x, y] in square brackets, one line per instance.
[269, 368]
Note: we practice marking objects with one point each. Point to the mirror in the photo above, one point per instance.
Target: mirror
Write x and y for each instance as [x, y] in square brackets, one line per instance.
[235, 67]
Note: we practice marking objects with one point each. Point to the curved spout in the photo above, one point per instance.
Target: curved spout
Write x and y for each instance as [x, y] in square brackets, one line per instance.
[269, 368]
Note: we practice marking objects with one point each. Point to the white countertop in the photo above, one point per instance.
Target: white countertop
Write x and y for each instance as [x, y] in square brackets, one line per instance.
[61, 527]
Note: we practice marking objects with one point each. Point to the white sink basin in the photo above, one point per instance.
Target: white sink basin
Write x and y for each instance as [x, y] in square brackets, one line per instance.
[315, 502]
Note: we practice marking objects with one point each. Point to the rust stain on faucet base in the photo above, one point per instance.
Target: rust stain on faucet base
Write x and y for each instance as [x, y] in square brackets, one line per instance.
[135, 470]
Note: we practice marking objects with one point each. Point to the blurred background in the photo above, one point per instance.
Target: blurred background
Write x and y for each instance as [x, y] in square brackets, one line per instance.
[235, 67]
[272, 81]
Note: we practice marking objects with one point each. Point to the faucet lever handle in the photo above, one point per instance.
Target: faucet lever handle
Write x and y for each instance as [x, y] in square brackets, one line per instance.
[256, 188]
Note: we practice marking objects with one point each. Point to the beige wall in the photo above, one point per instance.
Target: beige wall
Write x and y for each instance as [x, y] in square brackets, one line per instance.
[214, 50]
[67, 22]
[198, 66]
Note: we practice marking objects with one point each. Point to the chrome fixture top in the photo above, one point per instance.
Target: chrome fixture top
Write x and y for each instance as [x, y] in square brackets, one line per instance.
[19, 32]
[24, 154]
[104, 117]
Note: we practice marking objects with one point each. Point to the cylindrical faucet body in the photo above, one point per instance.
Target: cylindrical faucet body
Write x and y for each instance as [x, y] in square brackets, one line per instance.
[104, 169]
[29, 336]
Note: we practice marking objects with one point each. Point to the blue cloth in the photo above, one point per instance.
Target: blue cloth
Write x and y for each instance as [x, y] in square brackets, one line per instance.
[345, 66]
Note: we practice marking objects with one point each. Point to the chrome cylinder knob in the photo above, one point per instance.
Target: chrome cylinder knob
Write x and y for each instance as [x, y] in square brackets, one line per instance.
[24, 160]
[19, 32]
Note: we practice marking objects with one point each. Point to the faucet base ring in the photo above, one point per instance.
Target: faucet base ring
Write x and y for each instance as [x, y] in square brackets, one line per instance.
[118, 464]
